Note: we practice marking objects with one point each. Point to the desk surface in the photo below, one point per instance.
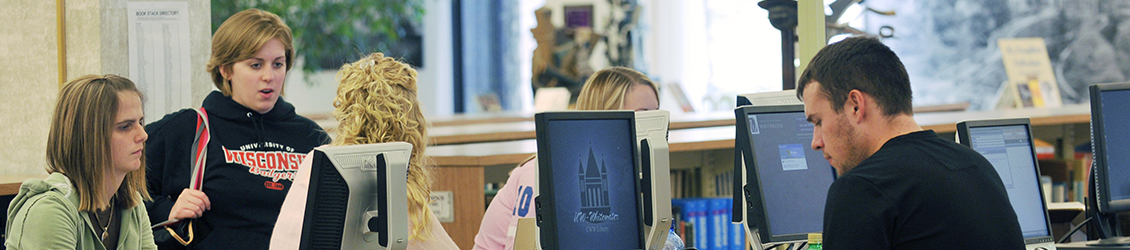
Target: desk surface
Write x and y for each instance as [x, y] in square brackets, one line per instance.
[938, 121]
[720, 137]
[510, 126]
[512, 152]
[519, 130]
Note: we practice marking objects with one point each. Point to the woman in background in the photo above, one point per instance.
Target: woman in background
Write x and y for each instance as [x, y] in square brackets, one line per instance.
[256, 143]
[616, 88]
[376, 103]
[92, 198]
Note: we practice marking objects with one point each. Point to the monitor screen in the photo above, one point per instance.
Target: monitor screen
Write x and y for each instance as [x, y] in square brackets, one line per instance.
[1009, 147]
[788, 180]
[589, 189]
[1109, 121]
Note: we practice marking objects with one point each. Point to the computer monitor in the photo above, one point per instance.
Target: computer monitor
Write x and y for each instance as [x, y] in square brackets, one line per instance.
[357, 197]
[788, 181]
[655, 174]
[588, 182]
[1110, 138]
[1110, 174]
[784, 97]
[1007, 144]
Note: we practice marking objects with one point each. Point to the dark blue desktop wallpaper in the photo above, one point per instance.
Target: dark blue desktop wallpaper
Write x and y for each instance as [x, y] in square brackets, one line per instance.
[595, 191]
[1115, 121]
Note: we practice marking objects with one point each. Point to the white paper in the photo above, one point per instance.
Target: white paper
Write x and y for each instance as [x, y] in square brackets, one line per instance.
[159, 59]
[443, 205]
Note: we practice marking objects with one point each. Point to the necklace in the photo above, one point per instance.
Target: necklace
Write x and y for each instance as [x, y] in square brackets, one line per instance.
[106, 228]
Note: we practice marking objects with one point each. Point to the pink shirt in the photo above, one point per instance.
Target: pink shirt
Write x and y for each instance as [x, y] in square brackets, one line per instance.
[515, 200]
[288, 228]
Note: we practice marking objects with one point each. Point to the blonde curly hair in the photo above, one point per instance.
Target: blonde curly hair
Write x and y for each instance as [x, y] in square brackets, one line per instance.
[376, 103]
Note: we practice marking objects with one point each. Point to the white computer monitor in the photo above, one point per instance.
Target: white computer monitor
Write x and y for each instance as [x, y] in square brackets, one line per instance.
[1008, 145]
[655, 174]
[588, 183]
[358, 197]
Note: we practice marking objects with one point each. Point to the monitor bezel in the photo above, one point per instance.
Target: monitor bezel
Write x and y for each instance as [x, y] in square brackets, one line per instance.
[652, 130]
[964, 136]
[757, 217]
[545, 206]
[1098, 143]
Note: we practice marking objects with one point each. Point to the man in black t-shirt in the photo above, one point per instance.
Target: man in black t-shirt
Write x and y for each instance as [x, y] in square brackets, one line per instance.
[899, 186]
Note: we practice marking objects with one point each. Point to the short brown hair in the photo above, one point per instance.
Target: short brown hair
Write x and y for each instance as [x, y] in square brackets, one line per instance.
[605, 89]
[241, 36]
[78, 142]
[862, 63]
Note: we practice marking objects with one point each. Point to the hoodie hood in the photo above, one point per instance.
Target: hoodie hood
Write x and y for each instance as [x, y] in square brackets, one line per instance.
[56, 182]
[31, 188]
[225, 107]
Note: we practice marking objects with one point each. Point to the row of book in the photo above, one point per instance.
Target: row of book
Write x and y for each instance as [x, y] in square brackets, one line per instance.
[705, 223]
[685, 183]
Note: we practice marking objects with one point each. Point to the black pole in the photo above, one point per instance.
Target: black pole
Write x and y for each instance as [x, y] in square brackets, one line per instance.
[783, 16]
[457, 55]
[788, 54]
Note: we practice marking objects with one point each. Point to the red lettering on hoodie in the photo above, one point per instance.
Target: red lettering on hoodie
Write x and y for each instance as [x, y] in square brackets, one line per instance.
[276, 165]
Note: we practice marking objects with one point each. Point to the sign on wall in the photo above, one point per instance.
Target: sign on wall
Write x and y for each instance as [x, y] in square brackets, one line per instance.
[159, 59]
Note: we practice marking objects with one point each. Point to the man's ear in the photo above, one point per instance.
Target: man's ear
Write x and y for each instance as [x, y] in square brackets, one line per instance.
[856, 104]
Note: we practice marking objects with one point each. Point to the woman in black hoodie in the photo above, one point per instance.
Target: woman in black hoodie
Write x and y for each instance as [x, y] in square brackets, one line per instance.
[257, 141]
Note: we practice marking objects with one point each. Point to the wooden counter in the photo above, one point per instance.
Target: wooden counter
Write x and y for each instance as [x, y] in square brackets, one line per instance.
[520, 130]
[10, 184]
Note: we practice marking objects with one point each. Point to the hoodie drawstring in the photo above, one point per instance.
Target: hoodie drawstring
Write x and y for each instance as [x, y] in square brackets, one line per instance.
[258, 123]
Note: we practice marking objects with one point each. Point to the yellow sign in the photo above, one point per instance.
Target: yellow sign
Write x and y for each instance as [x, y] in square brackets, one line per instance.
[1030, 76]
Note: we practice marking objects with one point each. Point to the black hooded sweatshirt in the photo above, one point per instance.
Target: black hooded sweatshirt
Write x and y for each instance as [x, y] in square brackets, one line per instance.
[252, 159]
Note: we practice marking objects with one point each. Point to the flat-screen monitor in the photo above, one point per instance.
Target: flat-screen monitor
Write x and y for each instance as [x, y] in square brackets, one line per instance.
[588, 182]
[358, 197]
[655, 174]
[788, 181]
[1007, 144]
[783, 97]
[1110, 137]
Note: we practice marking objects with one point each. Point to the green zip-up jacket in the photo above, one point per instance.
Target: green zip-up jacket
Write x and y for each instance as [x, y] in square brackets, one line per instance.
[45, 215]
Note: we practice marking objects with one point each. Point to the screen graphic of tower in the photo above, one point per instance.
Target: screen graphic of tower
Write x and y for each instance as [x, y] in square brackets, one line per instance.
[594, 186]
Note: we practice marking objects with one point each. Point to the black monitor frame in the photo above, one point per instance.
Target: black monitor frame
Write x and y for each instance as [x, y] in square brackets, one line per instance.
[784, 97]
[964, 136]
[757, 216]
[545, 206]
[1099, 147]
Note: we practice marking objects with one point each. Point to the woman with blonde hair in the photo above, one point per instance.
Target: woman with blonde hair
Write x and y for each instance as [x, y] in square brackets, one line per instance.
[257, 140]
[376, 103]
[615, 88]
[92, 198]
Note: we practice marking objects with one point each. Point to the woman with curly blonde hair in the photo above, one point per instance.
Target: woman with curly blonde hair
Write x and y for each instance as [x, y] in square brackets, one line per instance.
[376, 103]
